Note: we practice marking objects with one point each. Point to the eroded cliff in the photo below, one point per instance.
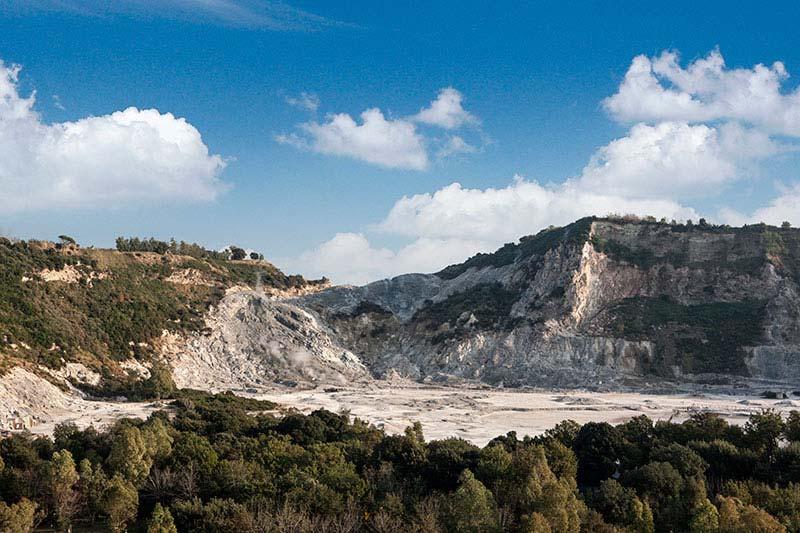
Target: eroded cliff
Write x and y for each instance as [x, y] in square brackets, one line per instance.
[598, 302]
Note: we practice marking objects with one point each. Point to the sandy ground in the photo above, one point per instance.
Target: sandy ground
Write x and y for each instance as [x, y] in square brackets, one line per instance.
[46, 405]
[481, 415]
[477, 415]
[99, 414]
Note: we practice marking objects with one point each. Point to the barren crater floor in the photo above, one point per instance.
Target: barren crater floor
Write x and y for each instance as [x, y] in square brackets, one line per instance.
[479, 415]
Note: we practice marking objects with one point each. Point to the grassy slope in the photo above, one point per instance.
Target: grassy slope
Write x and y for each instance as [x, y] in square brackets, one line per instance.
[104, 321]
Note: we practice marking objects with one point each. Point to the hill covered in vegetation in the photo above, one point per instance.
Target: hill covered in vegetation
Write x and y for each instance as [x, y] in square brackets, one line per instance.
[600, 302]
[107, 309]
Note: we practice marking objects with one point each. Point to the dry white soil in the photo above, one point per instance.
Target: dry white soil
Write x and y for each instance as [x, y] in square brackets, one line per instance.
[480, 415]
[477, 415]
[29, 395]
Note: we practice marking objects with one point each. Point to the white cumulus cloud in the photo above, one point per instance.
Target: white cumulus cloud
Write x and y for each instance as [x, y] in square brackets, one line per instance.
[660, 89]
[381, 141]
[128, 157]
[446, 111]
[674, 159]
[500, 215]
[454, 223]
[376, 140]
[351, 258]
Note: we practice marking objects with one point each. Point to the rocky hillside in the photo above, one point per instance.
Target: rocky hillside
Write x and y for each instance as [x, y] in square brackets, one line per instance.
[598, 302]
[98, 319]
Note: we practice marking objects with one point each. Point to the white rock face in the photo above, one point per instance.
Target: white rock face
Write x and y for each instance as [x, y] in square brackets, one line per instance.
[553, 350]
[76, 372]
[253, 339]
[39, 406]
[69, 274]
[558, 333]
[26, 393]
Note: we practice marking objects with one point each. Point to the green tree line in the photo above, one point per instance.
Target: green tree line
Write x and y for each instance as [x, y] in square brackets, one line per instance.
[135, 244]
[218, 463]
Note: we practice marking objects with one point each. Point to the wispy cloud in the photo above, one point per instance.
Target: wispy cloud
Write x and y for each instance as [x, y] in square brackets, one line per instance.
[254, 14]
[307, 101]
[455, 145]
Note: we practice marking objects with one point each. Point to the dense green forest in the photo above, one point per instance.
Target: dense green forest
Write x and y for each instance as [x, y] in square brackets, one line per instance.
[219, 463]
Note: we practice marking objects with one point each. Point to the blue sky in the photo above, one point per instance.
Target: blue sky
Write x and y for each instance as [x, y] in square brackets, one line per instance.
[526, 115]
